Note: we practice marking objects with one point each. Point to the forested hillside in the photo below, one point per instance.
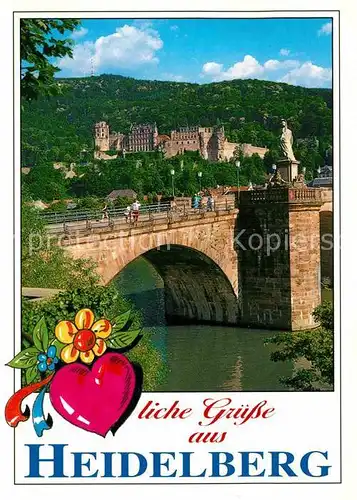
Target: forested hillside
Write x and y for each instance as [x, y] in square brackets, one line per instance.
[58, 128]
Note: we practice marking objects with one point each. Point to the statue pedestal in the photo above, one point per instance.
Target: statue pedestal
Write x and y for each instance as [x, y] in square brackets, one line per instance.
[288, 169]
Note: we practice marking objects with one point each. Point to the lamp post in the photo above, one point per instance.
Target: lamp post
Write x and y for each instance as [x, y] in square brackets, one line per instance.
[83, 154]
[172, 172]
[200, 179]
[238, 167]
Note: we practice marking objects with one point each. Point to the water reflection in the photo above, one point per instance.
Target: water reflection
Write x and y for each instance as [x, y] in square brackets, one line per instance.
[201, 357]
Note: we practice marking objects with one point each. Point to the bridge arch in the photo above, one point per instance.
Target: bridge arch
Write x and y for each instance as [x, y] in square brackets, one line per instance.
[196, 288]
[195, 257]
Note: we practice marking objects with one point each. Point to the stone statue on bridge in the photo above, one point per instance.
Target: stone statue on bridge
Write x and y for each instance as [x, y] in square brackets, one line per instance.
[286, 142]
[276, 180]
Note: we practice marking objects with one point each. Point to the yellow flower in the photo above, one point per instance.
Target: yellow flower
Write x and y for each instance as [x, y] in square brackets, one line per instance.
[83, 338]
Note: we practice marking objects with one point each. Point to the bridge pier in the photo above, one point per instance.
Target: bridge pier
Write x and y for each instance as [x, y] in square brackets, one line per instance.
[278, 245]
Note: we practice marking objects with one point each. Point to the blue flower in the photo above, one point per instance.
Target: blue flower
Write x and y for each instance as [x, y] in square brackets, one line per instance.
[47, 361]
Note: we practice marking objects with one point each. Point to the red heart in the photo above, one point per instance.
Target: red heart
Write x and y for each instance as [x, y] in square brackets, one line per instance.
[95, 399]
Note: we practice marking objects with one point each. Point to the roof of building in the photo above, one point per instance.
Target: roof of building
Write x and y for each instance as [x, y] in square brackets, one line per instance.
[38, 204]
[321, 181]
[122, 193]
[149, 127]
[163, 138]
[326, 171]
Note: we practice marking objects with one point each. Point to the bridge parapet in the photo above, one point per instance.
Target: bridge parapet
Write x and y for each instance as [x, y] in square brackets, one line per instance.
[146, 223]
[282, 195]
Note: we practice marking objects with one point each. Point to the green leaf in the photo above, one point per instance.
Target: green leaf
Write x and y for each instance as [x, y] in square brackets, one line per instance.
[40, 335]
[31, 374]
[25, 358]
[122, 339]
[58, 345]
[120, 321]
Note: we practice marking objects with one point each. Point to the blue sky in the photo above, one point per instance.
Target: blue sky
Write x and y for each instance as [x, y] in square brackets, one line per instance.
[296, 51]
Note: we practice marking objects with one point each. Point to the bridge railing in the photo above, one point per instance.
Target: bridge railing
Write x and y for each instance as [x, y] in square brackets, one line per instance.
[96, 215]
[305, 195]
[148, 215]
[280, 195]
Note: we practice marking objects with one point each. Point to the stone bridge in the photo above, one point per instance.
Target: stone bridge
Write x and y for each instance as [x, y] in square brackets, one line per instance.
[217, 267]
[195, 256]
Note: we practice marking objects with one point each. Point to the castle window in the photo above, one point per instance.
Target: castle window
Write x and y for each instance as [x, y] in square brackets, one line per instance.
[188, 142]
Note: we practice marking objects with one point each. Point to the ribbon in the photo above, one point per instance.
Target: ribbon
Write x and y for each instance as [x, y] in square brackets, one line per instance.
[13, 412]
[40, 423]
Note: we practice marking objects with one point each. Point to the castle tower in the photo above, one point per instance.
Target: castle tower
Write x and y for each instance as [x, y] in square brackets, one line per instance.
[155, 136]
[205, 134]
[220, 137]
[101, 136]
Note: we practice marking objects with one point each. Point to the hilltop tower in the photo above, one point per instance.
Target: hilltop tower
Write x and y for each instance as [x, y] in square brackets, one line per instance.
[101, 136]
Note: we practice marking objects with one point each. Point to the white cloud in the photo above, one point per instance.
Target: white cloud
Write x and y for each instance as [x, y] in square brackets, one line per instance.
[284, 52]
[309, 75]
[274, 64]
[212, 68]
[128, 47]
[81, 63]
[248, 68]
[326, 29]
[300, 73]
[174, 27]
[79, 33]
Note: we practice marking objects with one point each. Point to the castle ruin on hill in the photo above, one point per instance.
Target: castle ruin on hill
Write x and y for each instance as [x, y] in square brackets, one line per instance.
[211, 142]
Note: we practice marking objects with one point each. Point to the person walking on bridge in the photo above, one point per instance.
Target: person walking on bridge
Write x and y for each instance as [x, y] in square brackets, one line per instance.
[105, 212]
[135, 209]
[195, 201]
[210, 203]
[127, 213]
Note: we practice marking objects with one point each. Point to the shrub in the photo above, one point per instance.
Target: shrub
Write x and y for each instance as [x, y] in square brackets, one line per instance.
[315, 347]
[104, 302]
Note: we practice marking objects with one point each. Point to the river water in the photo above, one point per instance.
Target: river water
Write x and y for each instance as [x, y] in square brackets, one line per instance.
[201, 357]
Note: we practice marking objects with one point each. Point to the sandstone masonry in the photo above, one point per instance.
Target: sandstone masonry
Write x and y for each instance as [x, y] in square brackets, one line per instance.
[211, 142]
[280, 286]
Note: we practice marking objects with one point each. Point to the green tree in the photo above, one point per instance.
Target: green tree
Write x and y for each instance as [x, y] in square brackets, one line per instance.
[314, 347]
[45, 183]
[270, 158]
[104, 301]
[249, 109]
[39, 44]
[44, 264]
